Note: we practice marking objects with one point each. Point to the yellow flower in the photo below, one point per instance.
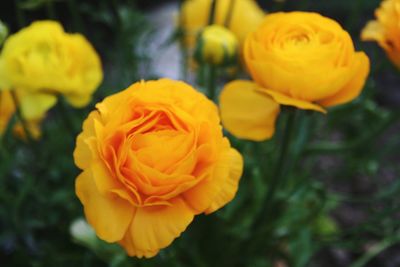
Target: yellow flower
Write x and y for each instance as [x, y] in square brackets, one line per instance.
[246, 17]
[386, 29]
[298, 59]
[217, 45]
[33, 109]
[42, 59]
[152, 157]
[7, 110]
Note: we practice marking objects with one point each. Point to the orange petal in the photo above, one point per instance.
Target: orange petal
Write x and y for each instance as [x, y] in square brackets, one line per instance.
[374, 31]
[154, 228]
[286, 100]
[83, 154]
[354, 87]
[246, 113]
[231, 164]
[109, 214]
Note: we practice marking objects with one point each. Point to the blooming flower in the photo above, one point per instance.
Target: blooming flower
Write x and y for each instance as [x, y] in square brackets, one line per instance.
[42, 61]
[152, 157]
[385, 30]
[298, 59]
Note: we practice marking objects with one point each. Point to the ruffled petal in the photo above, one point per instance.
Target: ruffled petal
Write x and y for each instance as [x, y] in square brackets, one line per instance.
[154, 228]
[231, 165]
[109, 214]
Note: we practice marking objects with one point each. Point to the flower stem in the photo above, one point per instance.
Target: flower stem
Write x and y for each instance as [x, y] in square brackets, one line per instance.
[229, 14]
[19, 13]
[211, 17]
[67, 120]
[211, 85]
[20, 117]
[50, 9]
[279, 172]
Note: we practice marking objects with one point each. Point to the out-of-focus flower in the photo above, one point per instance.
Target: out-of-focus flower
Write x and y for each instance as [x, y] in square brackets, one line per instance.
[42, 59]
[153, 156]
[33, 109]
[385, 30]
[40, 62]
[246, 17]
[298, 59]
[217, 45]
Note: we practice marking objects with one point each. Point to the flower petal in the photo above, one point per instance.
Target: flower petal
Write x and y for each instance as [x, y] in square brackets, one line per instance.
[35, 105]
[374, 31]
[247, 113]
[85, 142]
[109, 214]
[354, 87]
[286, 100]
[154, 228]
[231, 165]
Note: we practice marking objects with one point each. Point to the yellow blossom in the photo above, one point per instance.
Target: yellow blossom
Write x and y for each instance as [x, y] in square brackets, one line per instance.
[385, 30]
[299, 59]
[41, 62]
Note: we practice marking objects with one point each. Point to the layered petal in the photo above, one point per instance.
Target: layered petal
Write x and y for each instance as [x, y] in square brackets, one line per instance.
[109, 214]
[353, 89]
[154, 228]
[228, 171]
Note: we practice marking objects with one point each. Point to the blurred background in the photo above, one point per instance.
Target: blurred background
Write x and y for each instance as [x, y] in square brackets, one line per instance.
[139, 40]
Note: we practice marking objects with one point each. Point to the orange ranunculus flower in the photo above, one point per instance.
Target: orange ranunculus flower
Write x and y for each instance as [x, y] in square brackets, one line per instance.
[385, 30]
[152, 157]
[246, 17]
[298, 59]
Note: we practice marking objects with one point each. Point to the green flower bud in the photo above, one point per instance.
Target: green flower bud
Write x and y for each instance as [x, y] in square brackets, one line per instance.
[216, 45]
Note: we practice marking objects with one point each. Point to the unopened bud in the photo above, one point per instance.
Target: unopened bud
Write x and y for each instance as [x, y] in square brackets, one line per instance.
[216, 45]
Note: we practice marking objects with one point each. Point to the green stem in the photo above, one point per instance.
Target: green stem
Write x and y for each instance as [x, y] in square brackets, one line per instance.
[50, 9]
[211, 85]
[20, 117]
[326, 147]
[19, 15]
[76, 18]
[376, 250]
[211, 17]
[279, 172]
[229, 14]
[67, 121]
